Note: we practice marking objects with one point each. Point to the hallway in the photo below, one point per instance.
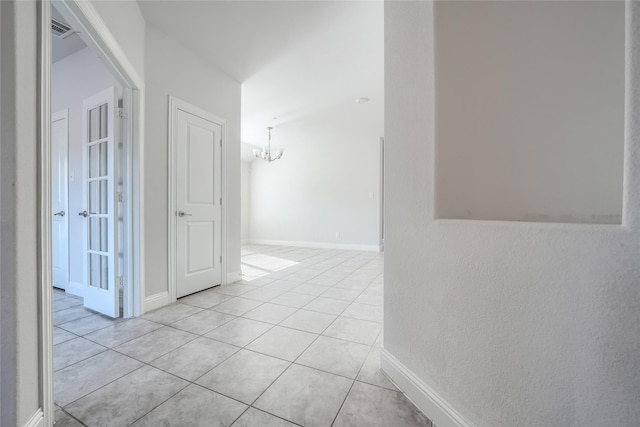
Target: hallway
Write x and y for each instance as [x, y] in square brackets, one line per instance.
[296, 342]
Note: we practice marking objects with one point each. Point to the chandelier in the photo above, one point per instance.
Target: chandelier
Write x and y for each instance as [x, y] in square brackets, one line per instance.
[266, 153]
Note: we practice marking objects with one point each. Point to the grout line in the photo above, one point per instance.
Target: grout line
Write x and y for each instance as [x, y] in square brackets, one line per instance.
[163, 402]
[240, 416]
[352, 384]
[346, 396]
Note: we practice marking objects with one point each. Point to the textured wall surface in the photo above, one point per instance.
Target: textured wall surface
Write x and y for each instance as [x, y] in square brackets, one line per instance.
[530, 110]
[512, 323]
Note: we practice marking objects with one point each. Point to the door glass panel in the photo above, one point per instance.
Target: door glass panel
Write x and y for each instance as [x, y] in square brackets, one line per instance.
[98, 203]
[102, 165]
[98, 234]
[98, 271]
[98, 158]
[94, 160]
[92, 127]
[103, 121]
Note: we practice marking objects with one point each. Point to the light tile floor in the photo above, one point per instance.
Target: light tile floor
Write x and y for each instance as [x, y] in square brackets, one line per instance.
[296, 342]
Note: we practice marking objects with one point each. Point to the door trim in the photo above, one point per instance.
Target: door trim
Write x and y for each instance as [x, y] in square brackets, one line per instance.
[83, 16]
[176, 104]
[44, 236]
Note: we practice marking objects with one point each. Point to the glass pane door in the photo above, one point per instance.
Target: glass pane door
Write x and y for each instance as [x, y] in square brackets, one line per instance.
[102, 293]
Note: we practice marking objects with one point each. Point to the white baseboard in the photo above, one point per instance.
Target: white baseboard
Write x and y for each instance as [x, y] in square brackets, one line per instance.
[439, 411]
[75, 288]
[233, 276]
[316, 245]
[36, 420]
[155, 301]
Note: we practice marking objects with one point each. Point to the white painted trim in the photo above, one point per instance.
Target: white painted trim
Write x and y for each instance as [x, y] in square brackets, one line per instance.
[156, 301]
[316, 245]
[176, 104]
[438, 410]
[37, 419]
[137, 283]
[45, 414]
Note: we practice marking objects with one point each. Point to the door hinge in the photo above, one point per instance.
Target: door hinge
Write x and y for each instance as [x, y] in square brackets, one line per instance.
[120, 113]
[120, 281]
[120, 196]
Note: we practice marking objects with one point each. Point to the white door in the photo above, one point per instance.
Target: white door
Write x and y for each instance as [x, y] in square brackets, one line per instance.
[100, 261]
[198, 203]
[59, 199]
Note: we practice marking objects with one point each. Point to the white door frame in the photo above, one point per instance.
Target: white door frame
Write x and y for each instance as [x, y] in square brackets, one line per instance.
[176, 104]
[82, 16]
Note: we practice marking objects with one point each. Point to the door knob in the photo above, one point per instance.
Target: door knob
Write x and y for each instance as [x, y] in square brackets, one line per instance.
[181, 214]
[61, 213]
[83, 213]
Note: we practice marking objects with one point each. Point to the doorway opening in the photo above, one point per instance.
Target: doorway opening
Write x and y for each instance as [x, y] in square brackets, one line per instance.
[91, 170]
[96, 160]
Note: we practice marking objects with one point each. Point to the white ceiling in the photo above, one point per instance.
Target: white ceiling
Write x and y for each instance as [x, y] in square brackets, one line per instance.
[303, 62]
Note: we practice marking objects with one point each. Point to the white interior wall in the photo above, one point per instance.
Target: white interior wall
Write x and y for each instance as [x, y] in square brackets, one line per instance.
[127, 25]
[245, 197]
[556, 156]
[510, 323]
[174, 70]
[73, 79]
[323, 191]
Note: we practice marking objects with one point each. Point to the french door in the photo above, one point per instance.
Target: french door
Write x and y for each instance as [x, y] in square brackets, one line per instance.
[100, 139]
